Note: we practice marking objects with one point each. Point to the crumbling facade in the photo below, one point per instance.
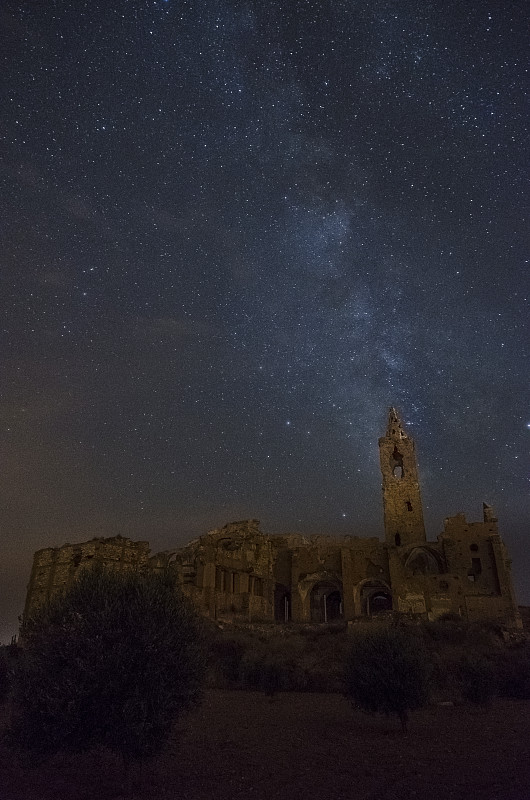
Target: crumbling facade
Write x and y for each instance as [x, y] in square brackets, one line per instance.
[239, 573]
[55, 568]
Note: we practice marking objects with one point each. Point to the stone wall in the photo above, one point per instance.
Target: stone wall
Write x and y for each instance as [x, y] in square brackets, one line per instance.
[55, 568]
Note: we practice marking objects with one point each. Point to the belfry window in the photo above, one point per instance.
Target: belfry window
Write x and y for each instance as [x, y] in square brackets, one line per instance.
[396, 464]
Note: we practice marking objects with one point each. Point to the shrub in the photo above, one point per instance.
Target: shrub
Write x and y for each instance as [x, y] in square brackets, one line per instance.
[513, 673]
[477, 679]
[387, 672]
[226, 655]
[262, 672]
[447, 630]
[112, 662]
[272, 675]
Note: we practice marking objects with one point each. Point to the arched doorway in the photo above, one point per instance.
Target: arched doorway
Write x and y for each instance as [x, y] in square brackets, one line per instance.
[282, 603]
[325, 602]
[376, 598]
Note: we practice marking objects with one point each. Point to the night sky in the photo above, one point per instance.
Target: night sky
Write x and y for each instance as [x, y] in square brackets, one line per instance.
[233, 234]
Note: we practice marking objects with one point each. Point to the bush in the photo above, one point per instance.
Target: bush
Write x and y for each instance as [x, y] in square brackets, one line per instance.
[226, 655]
[477, 679]
[112, 662]
[265, 673]
[447, 630]
[513, 673]
[272, 675]
[387, 672]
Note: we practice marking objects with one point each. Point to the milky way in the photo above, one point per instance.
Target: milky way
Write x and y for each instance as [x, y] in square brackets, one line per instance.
[234, 233]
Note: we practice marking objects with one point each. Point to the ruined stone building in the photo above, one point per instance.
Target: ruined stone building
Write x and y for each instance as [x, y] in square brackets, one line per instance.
[239, 573]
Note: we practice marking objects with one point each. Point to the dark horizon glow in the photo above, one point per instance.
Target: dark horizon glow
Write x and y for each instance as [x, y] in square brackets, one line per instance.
[235, 233]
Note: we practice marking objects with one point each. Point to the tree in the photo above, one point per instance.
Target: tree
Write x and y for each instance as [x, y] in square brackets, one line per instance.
[387, 672]
[114, 661]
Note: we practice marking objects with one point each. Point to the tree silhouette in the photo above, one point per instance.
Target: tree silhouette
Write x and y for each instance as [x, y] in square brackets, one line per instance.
[114, 661]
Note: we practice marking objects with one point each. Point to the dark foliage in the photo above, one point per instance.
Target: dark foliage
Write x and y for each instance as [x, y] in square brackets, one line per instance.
[477, 676]
[513, 672]
[387, 672]
[451, 630]
[275, 658]
[463, 656]
[447, 631]
[112, 662]
[267, 673]
[226, 655]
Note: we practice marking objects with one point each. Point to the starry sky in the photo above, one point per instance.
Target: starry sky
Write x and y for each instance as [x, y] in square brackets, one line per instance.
[233, 234]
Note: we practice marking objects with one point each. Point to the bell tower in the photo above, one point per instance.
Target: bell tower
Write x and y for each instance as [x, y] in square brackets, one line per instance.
[401, 490]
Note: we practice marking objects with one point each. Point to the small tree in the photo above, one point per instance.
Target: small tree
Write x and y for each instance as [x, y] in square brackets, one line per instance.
[387, 673]
[113, 662]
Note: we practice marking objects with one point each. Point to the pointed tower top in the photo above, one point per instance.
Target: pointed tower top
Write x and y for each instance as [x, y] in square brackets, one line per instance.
[395, 427]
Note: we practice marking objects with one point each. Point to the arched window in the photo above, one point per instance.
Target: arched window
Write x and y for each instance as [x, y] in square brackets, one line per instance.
[422, 561]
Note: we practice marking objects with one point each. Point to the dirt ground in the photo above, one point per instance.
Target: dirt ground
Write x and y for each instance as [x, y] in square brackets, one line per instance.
[242, 746]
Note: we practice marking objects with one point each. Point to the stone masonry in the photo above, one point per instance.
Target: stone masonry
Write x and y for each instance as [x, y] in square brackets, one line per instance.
[239, 573]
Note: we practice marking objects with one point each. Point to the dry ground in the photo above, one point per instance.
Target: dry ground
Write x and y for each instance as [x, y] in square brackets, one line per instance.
[242, 746]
